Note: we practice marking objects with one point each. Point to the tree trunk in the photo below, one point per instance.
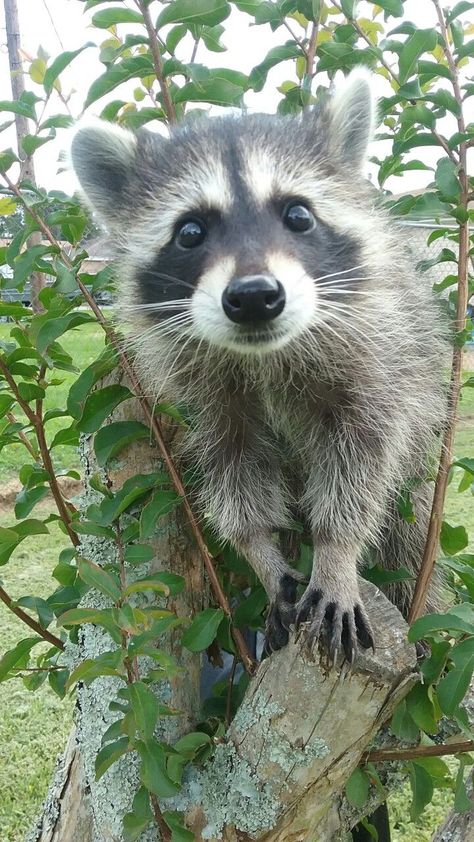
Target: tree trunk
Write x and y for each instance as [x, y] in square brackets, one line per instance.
[21, 124]
[279, 773]
[458, 827]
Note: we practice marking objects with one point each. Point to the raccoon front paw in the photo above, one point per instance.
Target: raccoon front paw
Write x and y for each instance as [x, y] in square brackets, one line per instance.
[339, 623]
[281, 614]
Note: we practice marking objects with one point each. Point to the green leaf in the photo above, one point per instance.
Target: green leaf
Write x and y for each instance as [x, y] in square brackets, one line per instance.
[117, 14]
[96, 577]
[422, 41]
[169, 583]
[391, 7]
[57, 681]
[458, 9]
[25, 109]
[135, 67]
[425, 626]
[31, 392]
[283, 52]
[357, 788]
[462, 801]
[215, 91]
[6, 402]
[190, 744]
[135, 822]
[59, 64]
[250, 609]
[27, 499]
[209, 12]
[132, 490]
[145, 708]
[421, 709]
[175, 821]
[203, 629]
[18, 656]
[90, 528]
[453, 687]
[39, 606]
[111, 439]
[403, 725]
[51, 329]
[79, 390]
[138, 553]
[109, 663]
[100, 404]
[421, 784]
[446, 179]
[453, 539]
[153, 772]
[161, 504]
[108, 754]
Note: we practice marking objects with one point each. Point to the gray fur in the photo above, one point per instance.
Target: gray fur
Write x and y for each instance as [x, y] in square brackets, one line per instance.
[332, 421]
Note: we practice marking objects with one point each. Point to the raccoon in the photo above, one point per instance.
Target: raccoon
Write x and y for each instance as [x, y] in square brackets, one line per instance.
[269, 292]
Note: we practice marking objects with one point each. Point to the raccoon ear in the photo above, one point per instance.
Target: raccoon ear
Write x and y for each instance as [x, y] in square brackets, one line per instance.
[352, 117]
[102, 156]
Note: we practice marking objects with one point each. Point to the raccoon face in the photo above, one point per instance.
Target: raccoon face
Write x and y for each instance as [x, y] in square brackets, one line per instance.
[232, 230]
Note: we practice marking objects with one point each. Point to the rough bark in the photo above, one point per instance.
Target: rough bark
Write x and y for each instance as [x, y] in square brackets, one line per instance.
[21, 124]
[280, 772]
[458, 827]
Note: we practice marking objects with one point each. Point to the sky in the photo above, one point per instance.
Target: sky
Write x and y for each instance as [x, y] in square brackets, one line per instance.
[59, 25]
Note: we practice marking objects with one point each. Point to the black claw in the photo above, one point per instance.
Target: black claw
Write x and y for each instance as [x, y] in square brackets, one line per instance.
[347, 639]
[308, 605]
[364, 634]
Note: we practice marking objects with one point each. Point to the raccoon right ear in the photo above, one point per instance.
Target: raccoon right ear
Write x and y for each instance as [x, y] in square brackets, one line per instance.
[351, 118]
[102, 155]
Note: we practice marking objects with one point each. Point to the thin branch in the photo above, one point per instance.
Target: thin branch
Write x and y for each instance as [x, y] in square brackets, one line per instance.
[165, 832]
[116, 342]
[310, 55]
[22, 437]
[299, 41]
[168, 104]
[53, 482]
[22, 615]
[384, 754]
[195, 49]
[432, 540]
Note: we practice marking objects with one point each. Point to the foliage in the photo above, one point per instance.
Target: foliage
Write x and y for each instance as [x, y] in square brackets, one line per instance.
[145, 45]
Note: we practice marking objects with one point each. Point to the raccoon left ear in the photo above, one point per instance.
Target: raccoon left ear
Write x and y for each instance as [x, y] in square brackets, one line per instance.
[352, 117]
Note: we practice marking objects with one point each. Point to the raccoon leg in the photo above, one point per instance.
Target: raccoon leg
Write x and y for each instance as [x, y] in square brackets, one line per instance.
[280, 582]
[354, 462]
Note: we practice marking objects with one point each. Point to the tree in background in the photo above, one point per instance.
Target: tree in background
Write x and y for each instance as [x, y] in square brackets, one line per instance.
[143, 590]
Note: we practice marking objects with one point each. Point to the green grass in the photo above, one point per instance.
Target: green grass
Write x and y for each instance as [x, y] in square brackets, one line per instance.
[34, 726]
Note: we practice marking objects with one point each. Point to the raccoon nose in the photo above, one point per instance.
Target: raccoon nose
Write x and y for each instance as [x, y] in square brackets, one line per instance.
[253, 298]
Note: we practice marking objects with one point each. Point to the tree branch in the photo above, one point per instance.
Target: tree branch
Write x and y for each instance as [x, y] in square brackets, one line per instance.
[168, 104]
[22, 615]
[432, 541]
[384, 754]
[116, 342]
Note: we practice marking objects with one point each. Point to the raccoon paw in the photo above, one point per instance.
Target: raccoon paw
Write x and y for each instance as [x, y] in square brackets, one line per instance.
[339, 625]
[281, 614]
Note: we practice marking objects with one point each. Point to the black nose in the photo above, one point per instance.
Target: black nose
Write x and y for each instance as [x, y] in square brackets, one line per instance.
[253, 298]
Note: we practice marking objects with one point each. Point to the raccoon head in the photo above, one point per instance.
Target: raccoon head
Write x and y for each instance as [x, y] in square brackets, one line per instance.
[232, 229]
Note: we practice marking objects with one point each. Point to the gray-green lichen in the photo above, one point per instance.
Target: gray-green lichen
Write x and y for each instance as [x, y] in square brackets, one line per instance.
[275, 747]
[230, 794]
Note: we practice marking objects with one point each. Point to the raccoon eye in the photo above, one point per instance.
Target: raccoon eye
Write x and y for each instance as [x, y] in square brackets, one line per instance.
[298, 218]
[191, 234]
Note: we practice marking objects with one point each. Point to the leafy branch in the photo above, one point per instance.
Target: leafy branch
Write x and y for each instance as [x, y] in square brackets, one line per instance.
[127, 367]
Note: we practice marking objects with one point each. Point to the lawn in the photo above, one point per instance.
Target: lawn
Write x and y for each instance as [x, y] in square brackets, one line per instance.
[34, 726]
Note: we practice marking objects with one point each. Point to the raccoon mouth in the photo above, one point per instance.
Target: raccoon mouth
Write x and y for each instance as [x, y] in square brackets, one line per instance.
[259, 337]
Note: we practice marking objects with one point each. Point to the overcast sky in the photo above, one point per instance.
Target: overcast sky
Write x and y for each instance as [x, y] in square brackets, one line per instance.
[247, 46]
